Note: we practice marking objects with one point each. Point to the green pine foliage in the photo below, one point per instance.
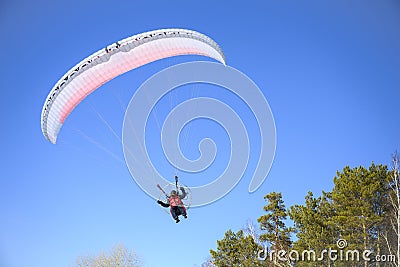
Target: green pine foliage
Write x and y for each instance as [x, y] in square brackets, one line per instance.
[235, 250]
[314, 228]
[359, 200]
[359, 210]
[272, 224]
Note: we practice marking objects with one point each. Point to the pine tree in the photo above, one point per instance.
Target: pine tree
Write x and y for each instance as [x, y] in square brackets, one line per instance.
[272, 224]
[358, 202]
[235, 250]
[314, 229]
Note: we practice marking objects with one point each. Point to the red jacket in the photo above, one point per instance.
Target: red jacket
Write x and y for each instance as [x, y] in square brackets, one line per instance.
[175, 201]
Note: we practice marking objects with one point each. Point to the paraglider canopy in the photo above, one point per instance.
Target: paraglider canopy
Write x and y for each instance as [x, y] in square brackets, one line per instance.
[114, 60]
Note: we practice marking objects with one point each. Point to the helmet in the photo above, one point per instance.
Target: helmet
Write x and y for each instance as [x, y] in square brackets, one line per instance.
[173, 192]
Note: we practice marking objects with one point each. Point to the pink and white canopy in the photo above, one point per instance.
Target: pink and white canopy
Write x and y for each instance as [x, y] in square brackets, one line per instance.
[114, 60]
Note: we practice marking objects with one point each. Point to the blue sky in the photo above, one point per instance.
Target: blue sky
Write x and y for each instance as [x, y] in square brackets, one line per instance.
[329, 70]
